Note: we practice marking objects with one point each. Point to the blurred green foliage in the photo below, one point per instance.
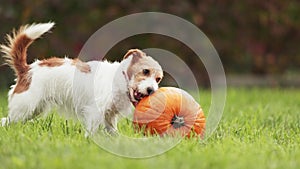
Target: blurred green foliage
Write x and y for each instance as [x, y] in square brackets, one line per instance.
[251, 36]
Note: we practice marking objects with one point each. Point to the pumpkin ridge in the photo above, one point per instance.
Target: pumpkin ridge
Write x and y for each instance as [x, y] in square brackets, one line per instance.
[170, 110]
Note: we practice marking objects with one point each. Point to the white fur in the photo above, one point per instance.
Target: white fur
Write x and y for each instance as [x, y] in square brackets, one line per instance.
[36, 30]
[90, 95]
[148, 82]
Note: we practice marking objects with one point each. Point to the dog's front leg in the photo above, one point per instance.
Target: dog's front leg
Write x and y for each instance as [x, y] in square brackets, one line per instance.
[111, 122]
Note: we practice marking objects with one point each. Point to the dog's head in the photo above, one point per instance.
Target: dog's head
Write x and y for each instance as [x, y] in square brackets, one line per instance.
[143, 73]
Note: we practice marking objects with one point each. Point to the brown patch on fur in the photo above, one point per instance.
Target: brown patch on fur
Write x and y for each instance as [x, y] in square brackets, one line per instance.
[19, 62]
[136, 56]
[23, 82]
[52, 62]
[139, 63]
[134, 52]
[16, 54]
[110, 119]
[15, 50]
[156, 73]
[81, 66]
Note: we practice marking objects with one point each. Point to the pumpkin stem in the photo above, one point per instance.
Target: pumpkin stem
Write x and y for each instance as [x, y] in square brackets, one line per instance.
[177, 121]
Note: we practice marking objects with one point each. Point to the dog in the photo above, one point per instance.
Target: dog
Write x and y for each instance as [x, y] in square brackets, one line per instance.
[95, 91]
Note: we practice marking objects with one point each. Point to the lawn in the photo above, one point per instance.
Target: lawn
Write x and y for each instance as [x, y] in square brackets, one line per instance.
[260, 129]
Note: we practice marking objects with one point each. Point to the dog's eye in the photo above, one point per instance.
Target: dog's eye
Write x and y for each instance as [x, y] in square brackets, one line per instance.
[146, 71]
[158, 79]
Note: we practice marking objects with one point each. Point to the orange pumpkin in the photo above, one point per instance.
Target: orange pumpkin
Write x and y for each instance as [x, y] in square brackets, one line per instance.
[169, 111]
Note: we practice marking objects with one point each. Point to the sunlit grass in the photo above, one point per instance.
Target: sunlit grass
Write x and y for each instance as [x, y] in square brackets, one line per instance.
[260, 128]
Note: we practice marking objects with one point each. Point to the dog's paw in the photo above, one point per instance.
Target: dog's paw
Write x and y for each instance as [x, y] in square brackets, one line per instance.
[4, 121]
[112, 131]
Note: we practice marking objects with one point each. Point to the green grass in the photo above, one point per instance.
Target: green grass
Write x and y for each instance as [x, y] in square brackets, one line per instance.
[260, 128]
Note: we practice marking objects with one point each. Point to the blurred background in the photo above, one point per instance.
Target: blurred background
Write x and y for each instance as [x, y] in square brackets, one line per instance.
[257, 41]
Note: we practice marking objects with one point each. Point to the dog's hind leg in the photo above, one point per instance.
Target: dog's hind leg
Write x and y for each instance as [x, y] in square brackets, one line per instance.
[22, 107]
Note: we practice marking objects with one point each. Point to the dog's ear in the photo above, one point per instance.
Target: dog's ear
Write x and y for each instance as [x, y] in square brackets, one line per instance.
[135, 52]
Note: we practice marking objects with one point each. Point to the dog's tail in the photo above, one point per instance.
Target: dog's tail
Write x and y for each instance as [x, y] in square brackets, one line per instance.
[15, 51]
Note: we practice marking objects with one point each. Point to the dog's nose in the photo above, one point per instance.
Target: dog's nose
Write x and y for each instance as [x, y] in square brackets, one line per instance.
[150, 90]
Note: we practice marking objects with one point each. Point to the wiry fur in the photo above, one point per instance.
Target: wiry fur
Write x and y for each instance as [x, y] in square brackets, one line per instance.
[15, 53]
[96, 91]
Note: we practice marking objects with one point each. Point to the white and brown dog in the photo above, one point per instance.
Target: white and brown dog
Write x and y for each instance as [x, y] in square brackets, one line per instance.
[96, 91]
